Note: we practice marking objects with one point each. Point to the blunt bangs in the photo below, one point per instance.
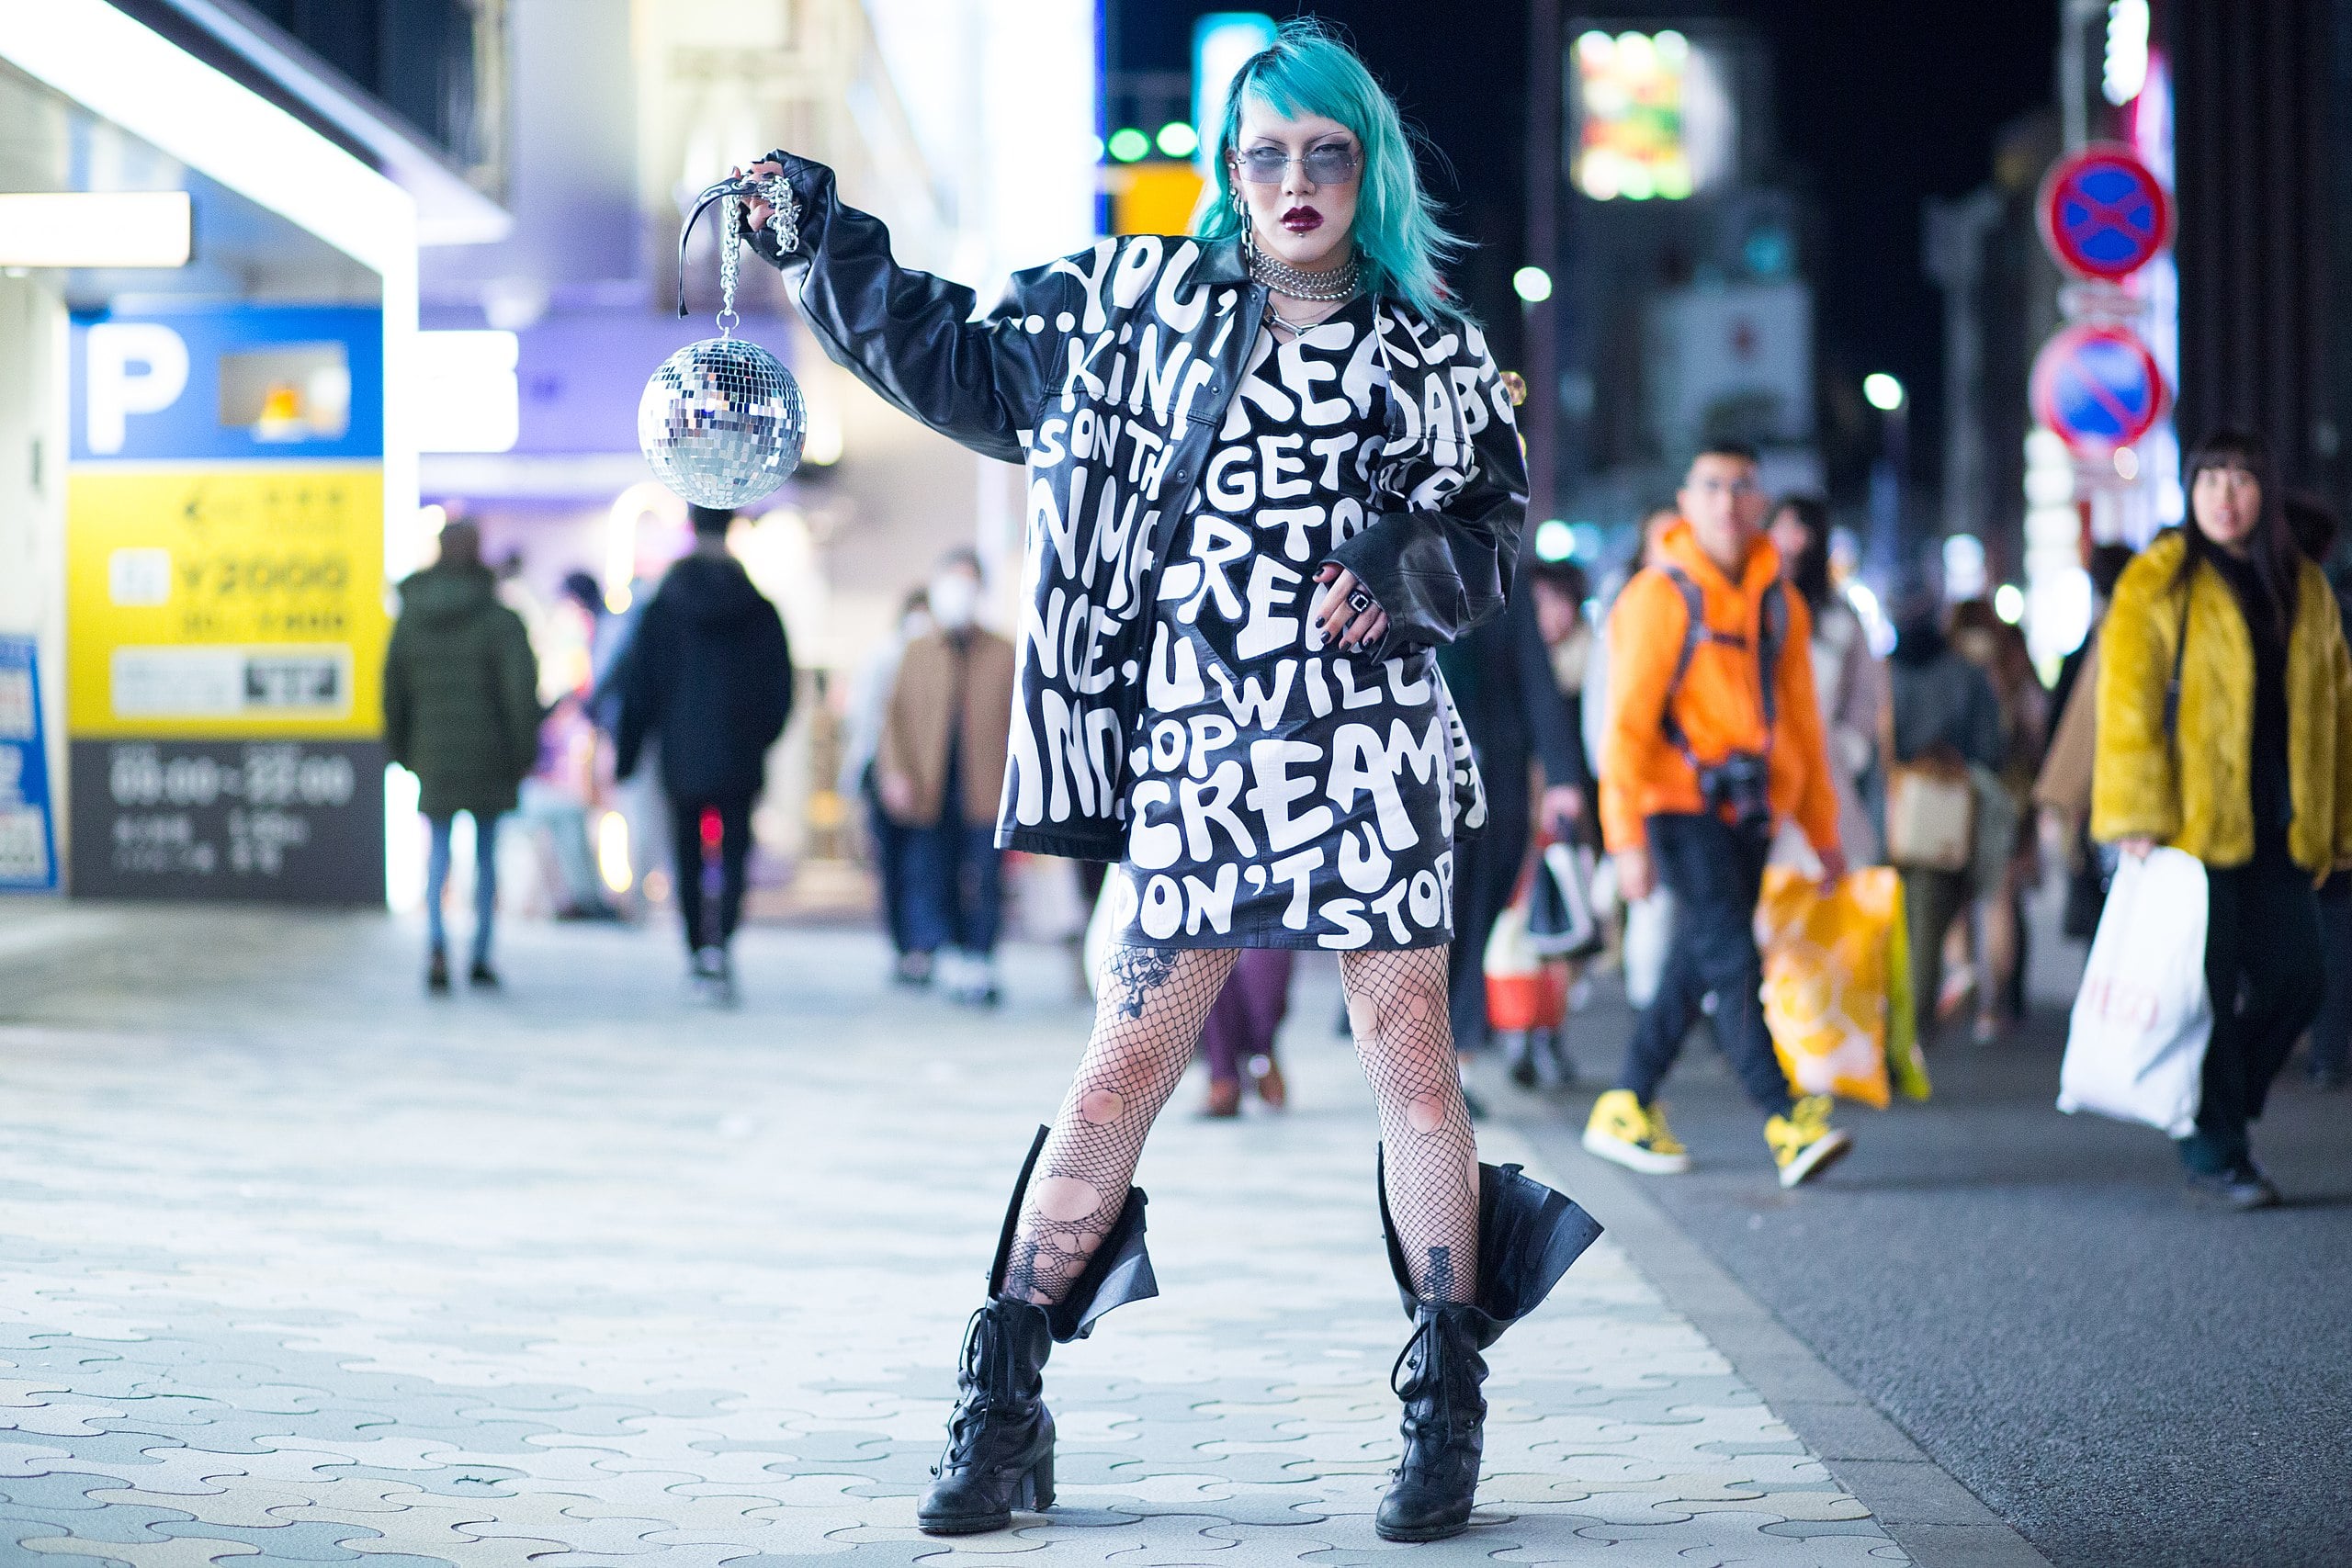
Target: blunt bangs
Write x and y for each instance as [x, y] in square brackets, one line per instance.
[1307, 72]
[2229, 447]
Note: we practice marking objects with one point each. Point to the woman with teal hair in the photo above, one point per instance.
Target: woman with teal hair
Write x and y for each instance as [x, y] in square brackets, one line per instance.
[1270, 468]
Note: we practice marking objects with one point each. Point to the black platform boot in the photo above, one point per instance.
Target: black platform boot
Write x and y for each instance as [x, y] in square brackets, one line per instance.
[1527, 1234]
[1000, 1452]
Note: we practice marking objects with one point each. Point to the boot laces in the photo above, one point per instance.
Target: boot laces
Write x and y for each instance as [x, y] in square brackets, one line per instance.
[974, 1397]
[1424, 1340]
[1405, 1385]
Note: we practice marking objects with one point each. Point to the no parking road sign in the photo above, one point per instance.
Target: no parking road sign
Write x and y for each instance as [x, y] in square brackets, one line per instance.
[2097, 386]
[2103, 214]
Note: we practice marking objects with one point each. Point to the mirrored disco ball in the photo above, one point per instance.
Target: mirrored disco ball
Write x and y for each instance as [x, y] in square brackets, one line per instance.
[722, 422]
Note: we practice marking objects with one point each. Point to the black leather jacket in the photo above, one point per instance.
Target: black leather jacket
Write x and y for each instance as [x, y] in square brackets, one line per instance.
[1107, 374]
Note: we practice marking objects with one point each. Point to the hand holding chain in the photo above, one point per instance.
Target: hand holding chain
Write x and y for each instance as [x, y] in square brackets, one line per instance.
[784, 215]
[784, 223]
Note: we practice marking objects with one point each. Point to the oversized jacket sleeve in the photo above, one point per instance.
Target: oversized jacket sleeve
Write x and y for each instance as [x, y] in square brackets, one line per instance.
[2134, 792]
[910, 335]
[1439, 564]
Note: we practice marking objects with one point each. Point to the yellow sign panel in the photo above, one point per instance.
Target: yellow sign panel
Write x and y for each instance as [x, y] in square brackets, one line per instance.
[1153, 198]
[225, 600]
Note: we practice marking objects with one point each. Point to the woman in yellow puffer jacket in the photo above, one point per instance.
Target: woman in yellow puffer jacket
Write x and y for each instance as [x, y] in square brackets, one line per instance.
[2225, 731]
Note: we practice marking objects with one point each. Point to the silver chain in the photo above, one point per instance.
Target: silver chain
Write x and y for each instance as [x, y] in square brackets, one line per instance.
[1316, 287]
[784, 223]
[1295, 329]
[730, 258]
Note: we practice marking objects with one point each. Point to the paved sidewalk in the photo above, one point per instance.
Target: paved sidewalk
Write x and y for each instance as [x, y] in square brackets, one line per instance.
[297, 1266]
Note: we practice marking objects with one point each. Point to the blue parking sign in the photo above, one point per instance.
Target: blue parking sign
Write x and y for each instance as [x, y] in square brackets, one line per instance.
[27, 834]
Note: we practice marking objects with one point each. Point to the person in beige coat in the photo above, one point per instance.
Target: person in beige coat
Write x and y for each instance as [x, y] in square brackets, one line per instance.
[945, 741]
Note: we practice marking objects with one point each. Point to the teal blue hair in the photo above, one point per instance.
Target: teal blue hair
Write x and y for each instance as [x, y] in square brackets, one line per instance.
[1399, 241]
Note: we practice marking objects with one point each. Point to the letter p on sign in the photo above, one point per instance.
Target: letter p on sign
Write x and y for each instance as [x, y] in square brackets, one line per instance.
[131, 367]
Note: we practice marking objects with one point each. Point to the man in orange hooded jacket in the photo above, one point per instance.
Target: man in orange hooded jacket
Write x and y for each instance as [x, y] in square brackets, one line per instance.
[1714, 736]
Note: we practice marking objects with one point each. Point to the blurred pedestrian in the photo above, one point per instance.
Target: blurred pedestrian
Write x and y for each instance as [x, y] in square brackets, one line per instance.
[555, 800]
[1847, 678]
[708, 674]
[939, 768]
[1943, 720]
[560, 790]
[1500, 676]
[2064, 786]
[2318, 534]
[1714, 736]
[1593, 714]
[1644, 931]
[1560, 589]
[869, 706]
[461, 712]
[2225, 731]
[1238, 1040]
[2007, 867]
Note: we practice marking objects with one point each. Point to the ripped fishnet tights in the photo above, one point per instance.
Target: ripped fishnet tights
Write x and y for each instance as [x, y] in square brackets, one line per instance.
[1150, 1007]
[1396, 1011]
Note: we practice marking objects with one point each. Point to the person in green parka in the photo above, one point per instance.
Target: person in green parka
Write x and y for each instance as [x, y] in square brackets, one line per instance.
[461, 712]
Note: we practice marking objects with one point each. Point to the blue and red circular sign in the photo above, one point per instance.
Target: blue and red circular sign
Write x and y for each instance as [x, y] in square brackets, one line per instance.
[2103, 214]
[2098, 387]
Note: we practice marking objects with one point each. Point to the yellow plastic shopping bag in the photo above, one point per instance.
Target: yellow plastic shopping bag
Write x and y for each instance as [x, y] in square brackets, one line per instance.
[1835, 994]
[1904, 1060]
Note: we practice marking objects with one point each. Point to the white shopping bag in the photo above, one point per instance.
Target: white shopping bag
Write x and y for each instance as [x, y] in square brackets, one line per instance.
[1560, 921]
[2136, 1048]
[1649, 934]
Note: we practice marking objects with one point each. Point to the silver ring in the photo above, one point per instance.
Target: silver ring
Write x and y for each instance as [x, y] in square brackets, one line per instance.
[1359, 600]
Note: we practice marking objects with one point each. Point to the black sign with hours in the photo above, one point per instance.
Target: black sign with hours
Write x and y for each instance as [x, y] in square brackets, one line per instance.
[276, 821]
[281, 680]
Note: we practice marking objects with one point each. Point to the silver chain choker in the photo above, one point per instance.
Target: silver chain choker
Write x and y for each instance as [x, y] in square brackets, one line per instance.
[1318, 288]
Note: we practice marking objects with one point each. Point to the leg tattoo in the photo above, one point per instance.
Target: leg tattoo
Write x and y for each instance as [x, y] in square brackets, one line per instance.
[1396, 1009]
[1133, 974]
[1147, 1022]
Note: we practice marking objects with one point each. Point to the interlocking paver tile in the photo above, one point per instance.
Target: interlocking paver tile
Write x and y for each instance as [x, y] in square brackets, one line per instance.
[326, 1273]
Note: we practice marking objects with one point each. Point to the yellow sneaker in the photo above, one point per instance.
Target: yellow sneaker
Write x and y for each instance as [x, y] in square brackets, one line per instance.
[1804, 1142]
[1624, 1130]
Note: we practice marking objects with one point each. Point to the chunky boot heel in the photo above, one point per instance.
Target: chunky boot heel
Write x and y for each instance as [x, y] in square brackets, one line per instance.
[1527, 1234]
[1000, 1453]
[1040, 1488]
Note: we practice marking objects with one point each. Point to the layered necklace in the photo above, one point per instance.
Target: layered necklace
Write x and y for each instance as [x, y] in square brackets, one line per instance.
[1342, 283]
